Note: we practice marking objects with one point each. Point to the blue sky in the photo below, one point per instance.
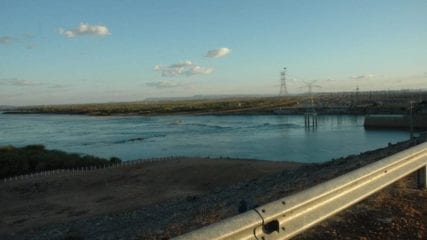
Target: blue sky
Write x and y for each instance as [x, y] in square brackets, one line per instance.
[54, 52]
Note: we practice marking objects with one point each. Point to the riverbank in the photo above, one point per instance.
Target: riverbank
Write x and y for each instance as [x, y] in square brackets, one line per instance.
[163, 199]
[32, 203]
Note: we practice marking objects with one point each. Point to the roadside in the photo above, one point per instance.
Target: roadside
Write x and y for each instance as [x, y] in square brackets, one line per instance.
[397, 212]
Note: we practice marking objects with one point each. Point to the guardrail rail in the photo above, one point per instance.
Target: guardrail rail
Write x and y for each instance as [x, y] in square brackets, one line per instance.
[286, 217]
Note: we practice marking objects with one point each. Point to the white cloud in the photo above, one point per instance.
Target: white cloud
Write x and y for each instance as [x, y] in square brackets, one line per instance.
[164, 84]
[86, 29]
[184, 68]
[220, 52]
[182, 64]
[365, 76]
[6, 39]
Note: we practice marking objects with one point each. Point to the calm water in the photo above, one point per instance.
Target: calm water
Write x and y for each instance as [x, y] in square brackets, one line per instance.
[259, 137]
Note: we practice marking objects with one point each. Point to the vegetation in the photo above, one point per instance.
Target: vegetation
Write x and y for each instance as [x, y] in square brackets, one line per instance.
[35, 158]
[168, 107]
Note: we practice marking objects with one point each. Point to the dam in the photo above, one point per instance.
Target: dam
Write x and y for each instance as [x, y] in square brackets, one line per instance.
[395, 121]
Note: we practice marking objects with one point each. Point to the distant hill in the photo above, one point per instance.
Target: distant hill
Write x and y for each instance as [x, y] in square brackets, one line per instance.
[208, 97]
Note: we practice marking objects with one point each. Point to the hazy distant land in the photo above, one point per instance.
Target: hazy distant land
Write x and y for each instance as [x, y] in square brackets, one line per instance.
[386, 102]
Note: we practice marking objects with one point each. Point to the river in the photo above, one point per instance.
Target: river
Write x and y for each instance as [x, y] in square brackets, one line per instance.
[271, 137]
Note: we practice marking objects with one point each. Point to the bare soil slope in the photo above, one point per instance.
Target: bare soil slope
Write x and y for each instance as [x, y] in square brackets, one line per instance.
[32, 203]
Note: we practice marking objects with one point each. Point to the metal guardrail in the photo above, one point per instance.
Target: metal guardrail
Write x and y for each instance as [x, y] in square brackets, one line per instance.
[286, 217]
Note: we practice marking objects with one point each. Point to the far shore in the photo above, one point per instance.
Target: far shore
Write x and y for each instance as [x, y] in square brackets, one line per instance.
[344, 103]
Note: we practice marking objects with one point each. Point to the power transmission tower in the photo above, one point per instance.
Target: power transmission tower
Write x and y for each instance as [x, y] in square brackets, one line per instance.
[310, 115]
[283, 88]
[310, 85]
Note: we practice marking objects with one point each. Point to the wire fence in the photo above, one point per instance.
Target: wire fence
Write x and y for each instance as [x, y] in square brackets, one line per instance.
[83, 170]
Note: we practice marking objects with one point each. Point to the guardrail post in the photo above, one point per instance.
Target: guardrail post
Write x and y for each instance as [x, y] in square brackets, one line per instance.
[422, 177]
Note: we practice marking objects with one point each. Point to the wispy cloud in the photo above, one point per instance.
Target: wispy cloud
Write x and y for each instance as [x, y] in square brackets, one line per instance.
[164, 84]
[18, 82]
[86, 29]
[25, 40]
[30, 46]
[365, 76]
[220, 52]
[184, 68]
[58, 86]
[6, 39]
[28, 36]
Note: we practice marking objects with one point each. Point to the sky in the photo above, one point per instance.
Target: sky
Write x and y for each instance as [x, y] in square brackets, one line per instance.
[57, 52]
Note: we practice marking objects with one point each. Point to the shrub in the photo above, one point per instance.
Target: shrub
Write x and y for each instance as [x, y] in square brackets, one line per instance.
[35, 158]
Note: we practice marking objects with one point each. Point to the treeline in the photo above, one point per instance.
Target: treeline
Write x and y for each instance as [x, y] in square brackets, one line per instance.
[163, 107]
[35, 158]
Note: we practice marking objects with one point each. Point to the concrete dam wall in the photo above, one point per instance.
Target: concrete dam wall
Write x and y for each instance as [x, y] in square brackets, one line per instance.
[395, 121]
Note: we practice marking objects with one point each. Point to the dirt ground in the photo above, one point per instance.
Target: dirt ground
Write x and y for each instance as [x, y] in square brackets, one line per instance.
[396, 212]
[33, 203]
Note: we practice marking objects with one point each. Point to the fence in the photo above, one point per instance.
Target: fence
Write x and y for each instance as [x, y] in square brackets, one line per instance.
[286, 217]
[82, 170]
